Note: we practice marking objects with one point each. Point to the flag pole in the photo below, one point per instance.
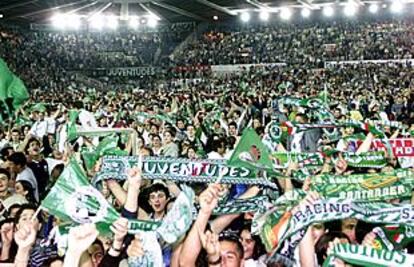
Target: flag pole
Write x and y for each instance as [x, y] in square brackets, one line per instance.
[39, 209]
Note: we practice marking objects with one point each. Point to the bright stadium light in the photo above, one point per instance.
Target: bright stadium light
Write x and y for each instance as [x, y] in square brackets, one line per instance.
[59, 21]
[396, 6]
[350, 9]
[245, 17]
[264, 15]
[112, 22]
[215, 17]
[97, 22]
[74, 21]
[152, 22]
[133, 22]
[305, 12]
[328, 11]
[285, 13]
[373, 8]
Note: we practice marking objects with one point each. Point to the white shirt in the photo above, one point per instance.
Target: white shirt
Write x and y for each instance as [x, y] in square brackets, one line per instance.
[87, 120]
[27, 175]
[214, 155]
[39, 128]
[3, 142]
[295, 146]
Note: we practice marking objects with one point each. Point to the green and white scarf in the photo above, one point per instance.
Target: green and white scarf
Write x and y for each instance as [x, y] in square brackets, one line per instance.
[366, 187]
[393, 237]
[282, 159]
[242, 205]
[368, 256]
[277, 228]
[142, 116]
[179, 169]
[374, 159]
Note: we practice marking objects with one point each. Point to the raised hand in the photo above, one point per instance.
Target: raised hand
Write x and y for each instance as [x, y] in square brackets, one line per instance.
[134, 177]
[209, 198]
[135, 249]
[6, 231]
[340, 166]
[369, 239]
[81, 237]
[25, 237]
[120, 229]
[210, 242]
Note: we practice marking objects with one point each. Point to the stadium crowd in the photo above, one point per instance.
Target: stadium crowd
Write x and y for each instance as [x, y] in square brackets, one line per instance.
[204, 119]
[302, 43]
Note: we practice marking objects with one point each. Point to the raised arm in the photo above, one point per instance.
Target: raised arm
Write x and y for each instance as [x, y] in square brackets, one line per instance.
[192, 244]
[79, 240]
[134, 183]
[25, 237]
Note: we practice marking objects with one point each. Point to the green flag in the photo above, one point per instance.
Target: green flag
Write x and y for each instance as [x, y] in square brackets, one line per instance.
[108, 146]
[71, 126]
[73, 199]
[251, 153]
[13, 92]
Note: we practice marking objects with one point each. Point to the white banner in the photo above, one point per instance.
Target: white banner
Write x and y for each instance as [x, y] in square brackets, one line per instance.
[240, 67]
[131, 72]
[329, 64]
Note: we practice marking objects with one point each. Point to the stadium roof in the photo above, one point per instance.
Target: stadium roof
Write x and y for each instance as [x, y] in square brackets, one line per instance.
[167, 10]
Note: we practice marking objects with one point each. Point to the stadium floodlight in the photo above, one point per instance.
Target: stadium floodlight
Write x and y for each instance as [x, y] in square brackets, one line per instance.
[373, 8]
[97, 22]
[328, 11]
[215, 17]
[305, 12]
[152, 22]
[74, 21]
[59, 21]
[112, 22]
[285, 13]
[350, 9]
[245, 17]
[133, 22]
[264, 15]
[396, 6]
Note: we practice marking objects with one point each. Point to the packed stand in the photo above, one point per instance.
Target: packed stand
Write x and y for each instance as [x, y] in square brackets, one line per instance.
[307, 43]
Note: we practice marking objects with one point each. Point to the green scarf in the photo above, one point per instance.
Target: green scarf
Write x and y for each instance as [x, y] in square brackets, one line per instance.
[368, 256]
[365, 187]
[282, 159]
[142, 116]
[393, 237]
[242, 205]
[277, 228]
[179, 169]
[375, 159]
